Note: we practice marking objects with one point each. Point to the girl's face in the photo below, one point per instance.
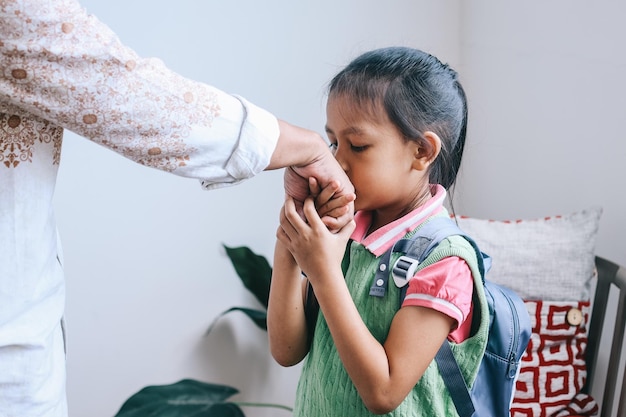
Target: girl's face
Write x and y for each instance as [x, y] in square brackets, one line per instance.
[376, 158]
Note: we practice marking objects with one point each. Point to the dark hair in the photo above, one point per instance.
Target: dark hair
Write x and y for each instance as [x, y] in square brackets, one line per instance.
[419, 94]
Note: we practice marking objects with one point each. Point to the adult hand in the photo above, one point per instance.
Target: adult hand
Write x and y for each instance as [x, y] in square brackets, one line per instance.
[310, 164]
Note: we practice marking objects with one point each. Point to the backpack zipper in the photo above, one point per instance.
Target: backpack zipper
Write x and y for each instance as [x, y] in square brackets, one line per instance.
[513, 363]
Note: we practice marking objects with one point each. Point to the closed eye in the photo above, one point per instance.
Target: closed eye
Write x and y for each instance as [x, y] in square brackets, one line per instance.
[358, 149]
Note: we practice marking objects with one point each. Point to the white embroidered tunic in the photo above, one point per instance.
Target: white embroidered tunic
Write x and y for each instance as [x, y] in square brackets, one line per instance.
[62, 68]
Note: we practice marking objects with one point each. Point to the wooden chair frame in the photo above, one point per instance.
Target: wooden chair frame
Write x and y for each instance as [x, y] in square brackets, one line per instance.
[609, 391]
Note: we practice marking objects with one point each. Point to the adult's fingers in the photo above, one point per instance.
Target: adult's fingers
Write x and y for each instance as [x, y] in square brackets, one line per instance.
[314, 187]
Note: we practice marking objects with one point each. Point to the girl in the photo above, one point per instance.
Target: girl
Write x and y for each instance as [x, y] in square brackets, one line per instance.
[396, 121]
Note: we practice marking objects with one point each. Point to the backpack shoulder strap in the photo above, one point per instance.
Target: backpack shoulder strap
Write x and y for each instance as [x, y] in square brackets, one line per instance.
[454, 381]
[311, 311]
[427, 237]
[416, 249]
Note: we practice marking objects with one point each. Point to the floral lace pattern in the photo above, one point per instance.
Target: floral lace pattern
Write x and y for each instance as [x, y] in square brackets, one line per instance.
[18, 136]
[64, 66]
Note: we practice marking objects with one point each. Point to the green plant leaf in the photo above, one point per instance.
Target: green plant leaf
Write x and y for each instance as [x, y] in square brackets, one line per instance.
[185, 398]
[253, 270]
[257, 316]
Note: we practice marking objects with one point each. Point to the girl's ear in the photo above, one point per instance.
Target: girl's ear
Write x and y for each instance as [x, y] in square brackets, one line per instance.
[426, 152]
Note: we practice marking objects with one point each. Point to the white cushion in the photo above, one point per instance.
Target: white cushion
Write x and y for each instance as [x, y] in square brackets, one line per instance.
[552, 258]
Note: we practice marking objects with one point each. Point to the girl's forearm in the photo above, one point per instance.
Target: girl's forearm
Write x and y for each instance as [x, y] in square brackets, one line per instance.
[364, 358]
[286, 324]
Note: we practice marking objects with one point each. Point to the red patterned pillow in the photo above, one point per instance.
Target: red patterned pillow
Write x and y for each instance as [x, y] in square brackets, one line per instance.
[553, 368]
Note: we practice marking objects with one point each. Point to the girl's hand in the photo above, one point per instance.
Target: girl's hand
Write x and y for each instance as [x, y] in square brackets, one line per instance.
[334, 210]
[314, 247]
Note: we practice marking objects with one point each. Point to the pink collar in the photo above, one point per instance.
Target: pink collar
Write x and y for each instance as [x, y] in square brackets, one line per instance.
[382, 239]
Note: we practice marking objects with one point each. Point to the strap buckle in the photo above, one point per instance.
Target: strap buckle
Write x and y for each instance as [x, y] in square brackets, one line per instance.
[404, 270]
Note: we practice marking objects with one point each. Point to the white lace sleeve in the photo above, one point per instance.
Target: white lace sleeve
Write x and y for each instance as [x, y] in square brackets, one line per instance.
[61, 64]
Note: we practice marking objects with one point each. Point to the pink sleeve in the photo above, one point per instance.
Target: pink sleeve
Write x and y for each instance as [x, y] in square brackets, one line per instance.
[445, 286]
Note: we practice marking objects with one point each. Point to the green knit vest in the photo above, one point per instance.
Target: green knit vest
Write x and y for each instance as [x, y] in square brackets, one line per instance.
[326, 390]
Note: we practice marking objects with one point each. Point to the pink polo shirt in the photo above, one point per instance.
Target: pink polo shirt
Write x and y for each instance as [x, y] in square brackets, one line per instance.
[445, 286]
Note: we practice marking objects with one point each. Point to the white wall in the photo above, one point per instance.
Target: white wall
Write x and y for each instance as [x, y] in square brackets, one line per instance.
[146, 274]
[548, 104]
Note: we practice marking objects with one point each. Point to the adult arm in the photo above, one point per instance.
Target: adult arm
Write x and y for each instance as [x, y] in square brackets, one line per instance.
[63, 65]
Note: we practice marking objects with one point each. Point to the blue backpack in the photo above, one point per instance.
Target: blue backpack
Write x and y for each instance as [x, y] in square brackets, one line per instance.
[509, 328]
